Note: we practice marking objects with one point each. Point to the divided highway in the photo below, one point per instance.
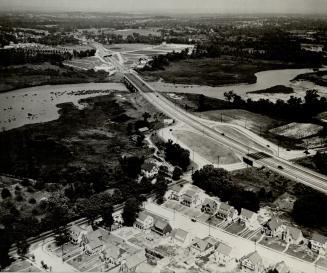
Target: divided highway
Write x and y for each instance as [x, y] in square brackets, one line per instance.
[282, 166]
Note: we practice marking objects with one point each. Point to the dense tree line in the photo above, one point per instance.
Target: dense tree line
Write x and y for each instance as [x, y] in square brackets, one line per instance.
[21, 56]
[217, 181]
[176, 155]
[294, 108]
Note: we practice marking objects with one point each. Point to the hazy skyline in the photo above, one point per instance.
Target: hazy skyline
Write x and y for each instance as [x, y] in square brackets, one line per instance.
[162, 6]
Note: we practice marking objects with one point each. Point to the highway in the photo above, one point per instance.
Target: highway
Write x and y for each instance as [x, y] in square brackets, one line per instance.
[271, 161]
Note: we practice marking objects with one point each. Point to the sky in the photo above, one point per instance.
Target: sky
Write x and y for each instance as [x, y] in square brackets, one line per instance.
[163, 6]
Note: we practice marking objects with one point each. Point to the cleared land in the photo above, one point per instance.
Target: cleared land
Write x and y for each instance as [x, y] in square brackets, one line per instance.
[212, 71]
[206, 148]
[297, 130]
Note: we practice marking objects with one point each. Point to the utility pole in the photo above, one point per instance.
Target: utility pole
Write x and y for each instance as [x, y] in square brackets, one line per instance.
[221, 117]
[218, 160]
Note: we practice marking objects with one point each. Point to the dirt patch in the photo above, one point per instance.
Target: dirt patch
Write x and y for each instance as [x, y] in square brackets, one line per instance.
[297, 130]
[206, 148]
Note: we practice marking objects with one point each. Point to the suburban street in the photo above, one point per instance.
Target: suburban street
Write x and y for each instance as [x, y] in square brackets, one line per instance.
[240, 245]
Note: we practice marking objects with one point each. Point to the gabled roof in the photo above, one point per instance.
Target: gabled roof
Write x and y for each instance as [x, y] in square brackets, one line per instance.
[142, 216]
[180, 234]
[224, 249]
[247, 213]
[176, 188]
[148, 166]
[319, 238]
[225, 208]
[160, 224]
[254, 258]
[282, 267]
[190, 193]
[274, 223]
[204, 244]
[76, 229]
[210, 202]
[295, 233]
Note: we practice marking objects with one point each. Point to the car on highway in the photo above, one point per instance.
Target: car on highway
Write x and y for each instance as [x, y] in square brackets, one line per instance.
[280, 167]
[193, 220]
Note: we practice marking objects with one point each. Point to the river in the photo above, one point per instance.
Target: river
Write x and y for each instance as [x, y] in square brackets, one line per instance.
[265, 79]
[38, 104]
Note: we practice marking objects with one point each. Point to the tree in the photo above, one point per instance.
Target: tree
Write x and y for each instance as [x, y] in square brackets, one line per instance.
[176, 155]
[61, 235]
[177, 173]
[106, 214]
[160, 188]
[5, 193]
[130, 211]
[22, 247]
[146, 116]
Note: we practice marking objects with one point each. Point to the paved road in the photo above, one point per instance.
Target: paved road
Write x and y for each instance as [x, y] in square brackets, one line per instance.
[241, 246]
[273, 162]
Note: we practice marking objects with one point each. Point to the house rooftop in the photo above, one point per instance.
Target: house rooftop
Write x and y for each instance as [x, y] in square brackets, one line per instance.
[160, 224]
[224, 249]
[180, 234]
[282, 267]
[319, 238]
[142, 216]
[274, 223]
[209, 201]
[176, 188]
[76, 229]
[204, 244]
[247, 213]
[254, 257]
[295, 233]
[190, 193]
[224, 207]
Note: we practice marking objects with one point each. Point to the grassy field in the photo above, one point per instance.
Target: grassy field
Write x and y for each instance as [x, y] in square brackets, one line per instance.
[206, 148]
[20, 76]
[213, 72]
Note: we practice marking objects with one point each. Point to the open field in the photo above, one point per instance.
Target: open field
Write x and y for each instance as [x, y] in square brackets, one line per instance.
[21, 76]
[206, 147]
[85, 63]
[297, 130]
[212, 72]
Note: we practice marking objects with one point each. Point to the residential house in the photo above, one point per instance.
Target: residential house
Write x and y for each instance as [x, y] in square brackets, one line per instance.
[253, 262]
[130, 264]
[180, 236]
[210, 206]
[248, 218]
[191, 199]
[92, 242]
[319, 243]
[149, 169]
[161, 227]
[75, 234]
[227, 212]
[293, 235]
[203, 247]
[222, 254]
[143, 129]
[144, 221]
[274, 228]
[111, 255]
[282, 267]
[175, 193]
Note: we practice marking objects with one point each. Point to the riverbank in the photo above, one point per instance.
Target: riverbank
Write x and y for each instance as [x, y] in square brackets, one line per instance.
[22, 76]
[214, 71]
[319, 78]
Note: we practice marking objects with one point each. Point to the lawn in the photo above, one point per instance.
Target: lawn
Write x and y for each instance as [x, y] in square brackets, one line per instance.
[322, 262]
[213, 71]
[302, 252]
[234, 228]
[205, 147]
[21, 265]
[273, 243]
